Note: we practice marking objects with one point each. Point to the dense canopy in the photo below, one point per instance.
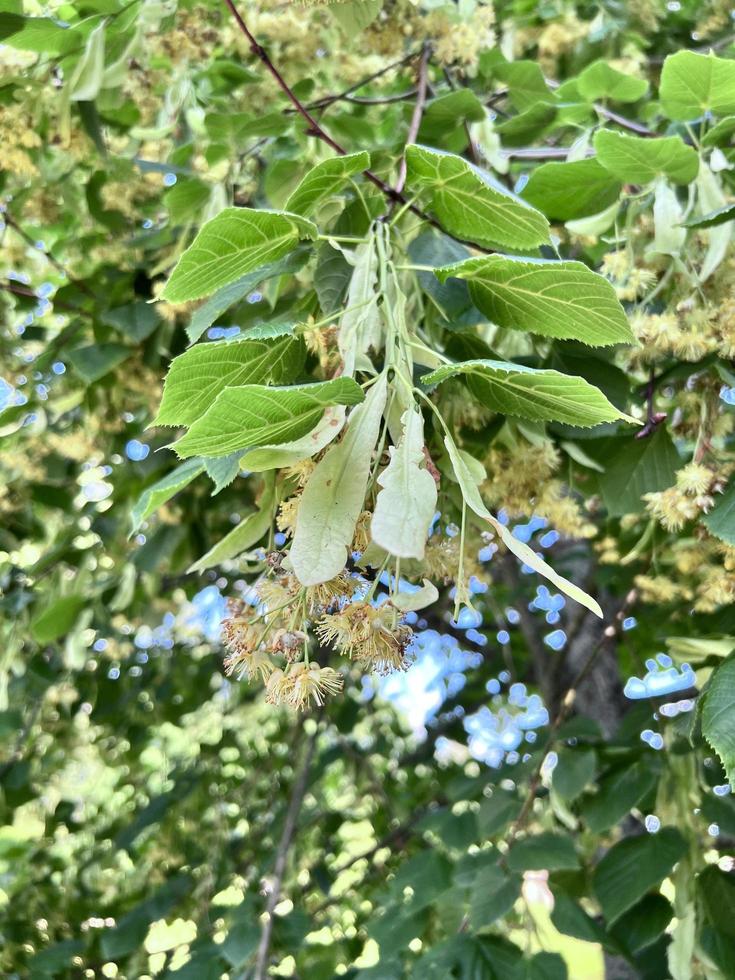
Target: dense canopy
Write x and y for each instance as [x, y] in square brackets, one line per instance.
[367, 443]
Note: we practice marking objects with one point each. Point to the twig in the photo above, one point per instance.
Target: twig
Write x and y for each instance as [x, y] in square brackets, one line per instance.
[624, 122]
[9, 220]
[279, 867]
[327, 100]
[315, 129]
[609, 633]
[418, 111]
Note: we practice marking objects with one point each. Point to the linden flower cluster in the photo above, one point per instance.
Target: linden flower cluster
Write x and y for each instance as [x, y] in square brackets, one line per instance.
[686, 500]
[17, 137]
[629, 280]
[270, 641]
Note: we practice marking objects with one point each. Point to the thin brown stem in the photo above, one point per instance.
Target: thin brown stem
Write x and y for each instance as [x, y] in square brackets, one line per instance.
[10, 220]
[418, 112]
[609, 634]
[327, 100]
[284, 845]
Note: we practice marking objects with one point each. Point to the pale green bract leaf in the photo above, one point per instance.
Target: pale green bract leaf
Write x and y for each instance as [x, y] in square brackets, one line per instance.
[527, 555]
[420, 599]
[163, 490]
[258, 415]
[86, 80]
[235, 242]
[325, 180]
[600, 81]
[718, 717]
[669, 236]
[555, 299]
[334, 496]
[720, 216]
[692, 84]
[361, 324]
[541, 395]
[290, 453]
[247, 533]
[197, 376]
[710, 197]
[405, 507]
[640, 161]
[468, 204]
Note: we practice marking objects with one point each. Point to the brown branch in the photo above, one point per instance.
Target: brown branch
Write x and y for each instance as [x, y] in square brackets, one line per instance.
[327, 100]
[9, 220]
[418, 112]
[608, 634]
[316, 130]
[279, 867]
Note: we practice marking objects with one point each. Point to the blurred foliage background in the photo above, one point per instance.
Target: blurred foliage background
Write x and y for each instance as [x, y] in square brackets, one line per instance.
[151, 809]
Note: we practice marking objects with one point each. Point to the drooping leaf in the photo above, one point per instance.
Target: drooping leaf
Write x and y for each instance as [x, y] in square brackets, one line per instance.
[57, 618]
[228, 295]
[720, 216]
[97, 360]
[521, 550]
[718, 716]
[636, 160]
[163, 490]
[692, 84]
[493, 895]
[235, 242]
[633, 866]
[526, 83]
[600, 80]
[257, 415]
[325, 180]
[555, 299]
[564, 191]
[547, 851]
[468, 204]
[86, 79]
[618, 792]
[640, 466]
[290, 453]
[136, 320]
[361, 323]
[720, 521]
[246, 534]
[513, 389]
[222, 470]
[196, 377]
[334, 496]
[404, 508]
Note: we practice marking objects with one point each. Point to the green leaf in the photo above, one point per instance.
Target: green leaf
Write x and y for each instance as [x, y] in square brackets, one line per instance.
[186, 198]
[496, 812]
[551, 298]
[717, 892]
[600, 81]
[290, 453]
[197, 376]
[721, 134]
[513, 389]
[640, 466]
[97, 360]
[228, 295]
[543, 851]
[526, 84]
[493, 895]
[334, 496]
[257, 415]
[136, 320]
[692, 84]
[573, 771]
[720, 216]
[163, 490]
[527, 126]
[405, 507]
[617, 794]
[246, 534]
[235, 242]
[469, 204]
[633, 867]
[39, 34]
[644, 923]
[564, 191]
[720, 521]
[521, 550]
[222, 470]
[57, 619]
[325, 180]
[718, 715]
[635, 160]
[447, 114]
